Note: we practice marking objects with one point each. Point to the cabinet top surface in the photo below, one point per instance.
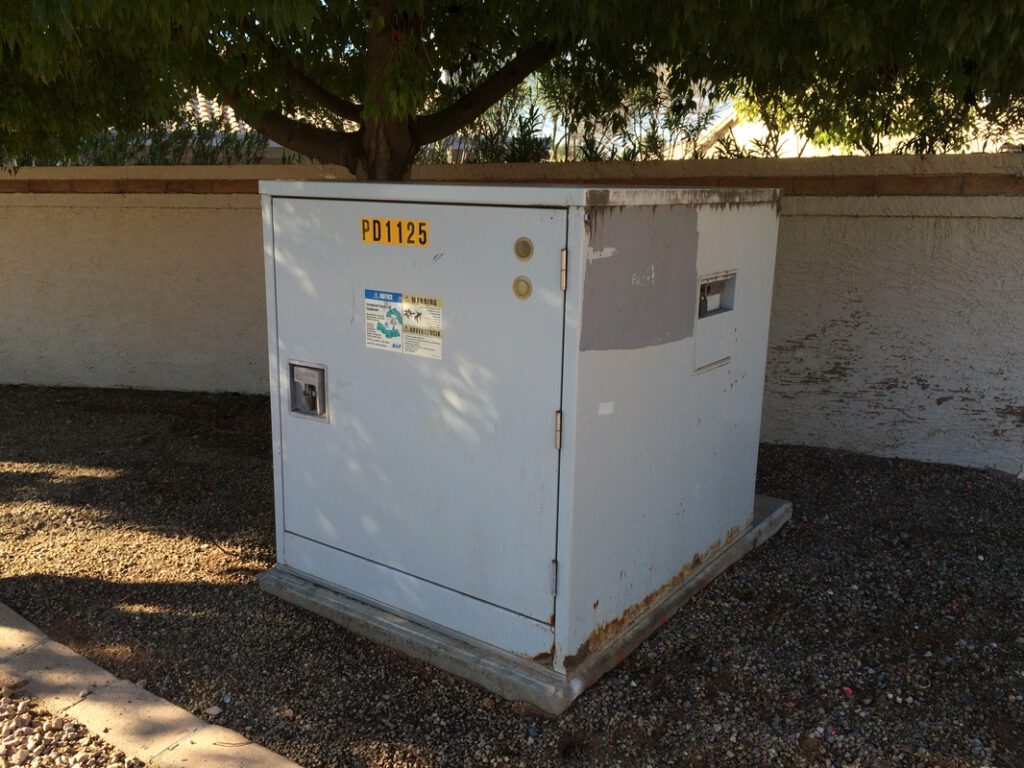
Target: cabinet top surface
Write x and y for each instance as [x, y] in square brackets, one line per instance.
[520, 195]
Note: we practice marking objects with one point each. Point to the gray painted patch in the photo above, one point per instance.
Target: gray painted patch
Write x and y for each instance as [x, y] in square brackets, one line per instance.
[643, 291]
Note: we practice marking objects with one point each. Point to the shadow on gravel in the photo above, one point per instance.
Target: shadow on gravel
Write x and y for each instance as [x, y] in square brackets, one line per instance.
[181, 463]
[146, 620]
[883, 626]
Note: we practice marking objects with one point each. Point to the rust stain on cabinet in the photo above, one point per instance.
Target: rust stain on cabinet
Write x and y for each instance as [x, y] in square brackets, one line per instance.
[603, 634]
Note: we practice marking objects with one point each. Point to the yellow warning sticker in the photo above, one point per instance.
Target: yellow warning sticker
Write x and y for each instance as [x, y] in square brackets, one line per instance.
[422, 325]
[394, 231]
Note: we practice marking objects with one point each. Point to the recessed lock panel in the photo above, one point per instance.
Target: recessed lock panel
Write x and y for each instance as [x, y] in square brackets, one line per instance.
[717, 294]
[309, 390]
[716, 330]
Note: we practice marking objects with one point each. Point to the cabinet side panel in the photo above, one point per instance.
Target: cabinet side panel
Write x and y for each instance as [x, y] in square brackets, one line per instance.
[665, 450]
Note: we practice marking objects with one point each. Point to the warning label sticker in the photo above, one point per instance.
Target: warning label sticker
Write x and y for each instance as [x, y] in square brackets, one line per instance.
[383, 319]
[403, 322]
[422, 325]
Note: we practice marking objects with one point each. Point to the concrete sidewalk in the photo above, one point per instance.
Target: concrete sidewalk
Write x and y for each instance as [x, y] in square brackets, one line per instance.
[130, 718]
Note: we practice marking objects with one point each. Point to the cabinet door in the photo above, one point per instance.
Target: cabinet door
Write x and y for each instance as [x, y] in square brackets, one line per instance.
[442, 346]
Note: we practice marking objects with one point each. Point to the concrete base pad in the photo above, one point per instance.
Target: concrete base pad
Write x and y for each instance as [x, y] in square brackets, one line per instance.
[504, 673]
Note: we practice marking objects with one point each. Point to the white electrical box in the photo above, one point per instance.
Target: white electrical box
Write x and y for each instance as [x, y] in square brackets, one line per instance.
[514, 427]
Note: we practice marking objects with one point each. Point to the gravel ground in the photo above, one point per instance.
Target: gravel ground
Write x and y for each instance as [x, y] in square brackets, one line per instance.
[33, 738]
[883, 626]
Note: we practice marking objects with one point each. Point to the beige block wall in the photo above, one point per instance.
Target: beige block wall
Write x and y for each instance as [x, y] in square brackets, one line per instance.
[897, 327]
[154, 291]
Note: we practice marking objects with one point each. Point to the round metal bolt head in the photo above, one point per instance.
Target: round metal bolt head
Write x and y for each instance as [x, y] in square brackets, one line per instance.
[522, 287]
[523, 248]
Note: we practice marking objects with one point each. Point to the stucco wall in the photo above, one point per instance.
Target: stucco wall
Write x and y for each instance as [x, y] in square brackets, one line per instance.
[157, 291]
[897, 326]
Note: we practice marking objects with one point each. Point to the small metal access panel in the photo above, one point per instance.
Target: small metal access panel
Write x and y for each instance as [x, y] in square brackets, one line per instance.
[308, 390]
[717, 327]
[429, 465]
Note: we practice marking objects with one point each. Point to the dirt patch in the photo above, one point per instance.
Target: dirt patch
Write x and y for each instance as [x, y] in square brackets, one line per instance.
[883, 626]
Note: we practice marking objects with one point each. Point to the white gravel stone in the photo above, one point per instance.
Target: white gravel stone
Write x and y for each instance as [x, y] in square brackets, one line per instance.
[34, 739]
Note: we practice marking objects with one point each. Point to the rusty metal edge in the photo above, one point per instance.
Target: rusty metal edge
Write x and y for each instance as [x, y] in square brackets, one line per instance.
[770, 515]
[505, 673]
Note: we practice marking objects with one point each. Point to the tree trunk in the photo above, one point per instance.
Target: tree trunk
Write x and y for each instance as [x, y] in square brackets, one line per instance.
[386, 148]
[386, 151]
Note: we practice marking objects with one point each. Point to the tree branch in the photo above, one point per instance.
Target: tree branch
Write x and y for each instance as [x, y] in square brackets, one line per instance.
[430, 128]
[343, 108]
[322, 144]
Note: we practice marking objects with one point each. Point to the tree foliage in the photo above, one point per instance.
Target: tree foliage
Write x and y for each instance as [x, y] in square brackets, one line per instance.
[365, 83]
[511, 131]
[186, 140]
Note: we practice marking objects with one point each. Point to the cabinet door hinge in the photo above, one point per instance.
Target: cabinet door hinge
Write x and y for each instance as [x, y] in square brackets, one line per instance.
[565, 266]
[558, 430]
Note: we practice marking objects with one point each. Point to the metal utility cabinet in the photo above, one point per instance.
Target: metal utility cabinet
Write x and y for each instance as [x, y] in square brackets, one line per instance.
[514, 427]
